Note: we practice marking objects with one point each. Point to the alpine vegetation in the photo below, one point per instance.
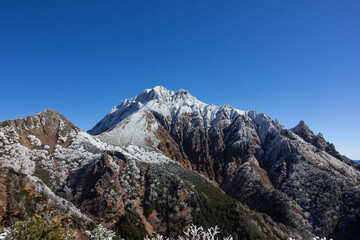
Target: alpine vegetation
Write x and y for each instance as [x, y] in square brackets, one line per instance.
[37, 229]
[100, 233]
[194, 233]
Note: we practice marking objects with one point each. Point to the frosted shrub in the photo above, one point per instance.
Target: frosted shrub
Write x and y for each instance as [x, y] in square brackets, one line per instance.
[37, 229]
[315, 238]
[158, 237]
[195, 233]
[4, 233]
[198, 233]
[101, 233]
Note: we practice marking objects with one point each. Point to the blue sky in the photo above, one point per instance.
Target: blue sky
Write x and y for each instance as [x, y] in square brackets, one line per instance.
[293, 60]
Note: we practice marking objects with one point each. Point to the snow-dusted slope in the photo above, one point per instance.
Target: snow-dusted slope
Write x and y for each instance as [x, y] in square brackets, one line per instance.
[253, 157]
[133, 120]
[51, 168]
[143, 120]
[293, 176]
[48, 141]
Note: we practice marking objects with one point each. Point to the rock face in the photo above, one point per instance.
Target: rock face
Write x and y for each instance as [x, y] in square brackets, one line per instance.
[293, 176]
[318, 141]
[163, 197]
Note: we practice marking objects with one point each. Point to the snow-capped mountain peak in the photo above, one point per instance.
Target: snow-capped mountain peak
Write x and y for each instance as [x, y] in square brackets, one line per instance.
[157, 99]
[141, 119]
[158, 92]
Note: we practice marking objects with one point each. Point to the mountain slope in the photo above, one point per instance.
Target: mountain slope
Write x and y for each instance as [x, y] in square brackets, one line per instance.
[163, 197]
[319, 142]
[53, 169]
[46, 145]
[295, 177]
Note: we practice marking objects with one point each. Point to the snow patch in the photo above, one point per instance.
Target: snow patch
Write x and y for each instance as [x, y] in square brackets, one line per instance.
[34, 140]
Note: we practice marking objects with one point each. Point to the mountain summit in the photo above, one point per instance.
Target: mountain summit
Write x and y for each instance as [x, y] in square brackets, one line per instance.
[140, 120]
[157, 98]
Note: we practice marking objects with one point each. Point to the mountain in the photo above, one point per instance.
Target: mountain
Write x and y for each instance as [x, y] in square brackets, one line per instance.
[163, 160]
[357, 161]
[318, 141]
[51, 168]
[291, 175]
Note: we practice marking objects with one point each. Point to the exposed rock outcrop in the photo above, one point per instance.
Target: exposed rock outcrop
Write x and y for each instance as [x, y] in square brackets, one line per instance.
[303, 130]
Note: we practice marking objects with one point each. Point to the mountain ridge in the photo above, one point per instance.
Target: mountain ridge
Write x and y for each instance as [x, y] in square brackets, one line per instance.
[157, 93]
[88, 181]
[234, 147]
[164, 106]
[294, 182]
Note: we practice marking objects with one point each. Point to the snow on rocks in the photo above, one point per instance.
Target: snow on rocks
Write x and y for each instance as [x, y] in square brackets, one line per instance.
[135, 153]
[62, 139]
[4, 233]
[133, 121]
[62, 161]
[83, 149]
[15, 155]
[137, 129]
[68, 206]
[136, 121]
[34, 140]
[164, 102]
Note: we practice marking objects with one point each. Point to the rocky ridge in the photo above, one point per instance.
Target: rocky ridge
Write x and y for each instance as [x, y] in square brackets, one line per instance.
[293, 176]
[163, 160]
[52, 169]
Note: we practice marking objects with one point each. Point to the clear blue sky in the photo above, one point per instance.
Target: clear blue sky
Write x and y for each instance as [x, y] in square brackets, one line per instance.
[292, 60]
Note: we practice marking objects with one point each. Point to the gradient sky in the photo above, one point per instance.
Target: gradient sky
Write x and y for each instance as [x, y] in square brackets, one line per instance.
[293, 60]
